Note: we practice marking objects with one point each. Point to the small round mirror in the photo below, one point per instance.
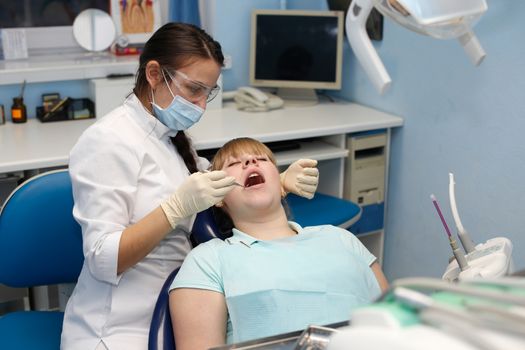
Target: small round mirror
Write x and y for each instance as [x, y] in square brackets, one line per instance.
[94, 30]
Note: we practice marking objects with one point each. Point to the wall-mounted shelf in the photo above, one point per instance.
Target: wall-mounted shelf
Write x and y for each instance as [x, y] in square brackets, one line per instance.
[66, 67]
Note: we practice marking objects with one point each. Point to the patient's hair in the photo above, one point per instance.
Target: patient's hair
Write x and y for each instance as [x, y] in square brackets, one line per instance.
[236, 147]
[173, 46]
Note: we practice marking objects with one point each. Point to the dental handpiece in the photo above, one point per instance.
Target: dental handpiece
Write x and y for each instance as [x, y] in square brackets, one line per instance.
[458, 253]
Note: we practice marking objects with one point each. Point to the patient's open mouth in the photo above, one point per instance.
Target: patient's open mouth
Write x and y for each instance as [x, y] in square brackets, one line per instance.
[253, 179]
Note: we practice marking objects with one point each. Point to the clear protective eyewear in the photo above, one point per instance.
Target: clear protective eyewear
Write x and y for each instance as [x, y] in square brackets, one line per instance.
[191, 89]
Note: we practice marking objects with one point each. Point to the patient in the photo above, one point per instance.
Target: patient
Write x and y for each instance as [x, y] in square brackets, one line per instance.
[271, 276]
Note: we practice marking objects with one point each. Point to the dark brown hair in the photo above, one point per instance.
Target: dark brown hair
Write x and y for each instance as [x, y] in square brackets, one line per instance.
[173, 46]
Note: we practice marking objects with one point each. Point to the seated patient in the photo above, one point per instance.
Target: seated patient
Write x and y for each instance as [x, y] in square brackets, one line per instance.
[271, 276]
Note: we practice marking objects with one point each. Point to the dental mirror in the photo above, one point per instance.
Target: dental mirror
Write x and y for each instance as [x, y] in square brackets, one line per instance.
[94, 30]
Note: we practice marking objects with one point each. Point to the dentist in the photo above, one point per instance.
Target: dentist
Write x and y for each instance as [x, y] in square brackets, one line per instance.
[137, 188]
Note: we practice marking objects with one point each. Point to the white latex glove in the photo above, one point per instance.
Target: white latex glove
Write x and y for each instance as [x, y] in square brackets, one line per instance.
[200, 191]
[301, 178]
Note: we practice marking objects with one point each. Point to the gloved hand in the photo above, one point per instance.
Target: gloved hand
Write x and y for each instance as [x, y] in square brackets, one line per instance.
[200, 191]
[301, 178]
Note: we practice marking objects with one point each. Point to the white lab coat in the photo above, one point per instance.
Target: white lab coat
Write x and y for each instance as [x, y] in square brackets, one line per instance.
[121, 168]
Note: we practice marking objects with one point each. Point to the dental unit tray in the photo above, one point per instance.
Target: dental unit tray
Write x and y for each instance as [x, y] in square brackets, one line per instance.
[312, 338]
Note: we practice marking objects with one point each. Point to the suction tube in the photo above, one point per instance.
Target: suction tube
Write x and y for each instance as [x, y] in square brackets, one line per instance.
[355, 25]
[463, 235]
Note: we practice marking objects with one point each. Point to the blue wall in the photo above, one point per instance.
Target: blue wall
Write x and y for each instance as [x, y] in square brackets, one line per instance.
[458, 118]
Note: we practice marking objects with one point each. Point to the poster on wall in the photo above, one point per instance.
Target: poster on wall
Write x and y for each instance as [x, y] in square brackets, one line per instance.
[135, 20]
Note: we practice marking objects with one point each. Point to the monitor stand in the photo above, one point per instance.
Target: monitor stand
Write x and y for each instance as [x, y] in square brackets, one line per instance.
[294, 97]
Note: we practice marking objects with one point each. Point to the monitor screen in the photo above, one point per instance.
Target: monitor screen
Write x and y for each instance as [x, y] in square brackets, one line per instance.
[296, 49]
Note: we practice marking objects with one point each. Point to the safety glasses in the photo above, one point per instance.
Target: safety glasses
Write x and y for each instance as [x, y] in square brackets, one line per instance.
[192, 90]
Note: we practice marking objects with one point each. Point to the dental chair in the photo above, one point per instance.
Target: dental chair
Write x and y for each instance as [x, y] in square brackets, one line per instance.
[323, 209]
[161, 329]
[40, 244]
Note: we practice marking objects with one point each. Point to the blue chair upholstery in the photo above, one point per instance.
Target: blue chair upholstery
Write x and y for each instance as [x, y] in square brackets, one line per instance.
[323, 210]
[40, 244]
[161, 329]
[205, 228]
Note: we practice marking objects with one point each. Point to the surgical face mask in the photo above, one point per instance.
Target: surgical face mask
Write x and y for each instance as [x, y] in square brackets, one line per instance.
[179, 115]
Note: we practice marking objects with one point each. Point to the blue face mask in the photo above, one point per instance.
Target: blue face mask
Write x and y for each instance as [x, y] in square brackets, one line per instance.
[179, 115]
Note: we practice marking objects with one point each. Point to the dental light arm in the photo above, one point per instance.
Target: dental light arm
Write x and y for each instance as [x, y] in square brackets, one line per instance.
[472, 47]
[441, 19]
[355, 26]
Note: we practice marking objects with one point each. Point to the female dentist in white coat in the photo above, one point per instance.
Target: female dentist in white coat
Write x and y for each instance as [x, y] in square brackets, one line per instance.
[137, 188]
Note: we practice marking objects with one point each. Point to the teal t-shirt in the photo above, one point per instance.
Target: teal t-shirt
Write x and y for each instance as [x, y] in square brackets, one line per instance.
[271, 287]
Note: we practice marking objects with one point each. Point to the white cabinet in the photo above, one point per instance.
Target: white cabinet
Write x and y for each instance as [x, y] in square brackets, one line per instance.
[108, 93]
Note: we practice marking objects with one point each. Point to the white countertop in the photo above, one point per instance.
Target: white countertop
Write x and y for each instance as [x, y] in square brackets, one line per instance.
[35, 145]
[326, 118]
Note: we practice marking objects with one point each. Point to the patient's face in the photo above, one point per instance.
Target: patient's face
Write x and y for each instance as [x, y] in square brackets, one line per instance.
[260, 178]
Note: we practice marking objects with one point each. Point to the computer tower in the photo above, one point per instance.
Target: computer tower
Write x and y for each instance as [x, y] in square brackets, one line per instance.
[364, 183]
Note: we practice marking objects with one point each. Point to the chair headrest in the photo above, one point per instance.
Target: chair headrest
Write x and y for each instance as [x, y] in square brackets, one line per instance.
[205, 227]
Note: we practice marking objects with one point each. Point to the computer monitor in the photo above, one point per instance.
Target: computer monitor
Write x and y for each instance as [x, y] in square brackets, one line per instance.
[296, 52]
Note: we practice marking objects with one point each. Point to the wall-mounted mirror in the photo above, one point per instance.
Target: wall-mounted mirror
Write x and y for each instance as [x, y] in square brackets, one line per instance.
[94, 30]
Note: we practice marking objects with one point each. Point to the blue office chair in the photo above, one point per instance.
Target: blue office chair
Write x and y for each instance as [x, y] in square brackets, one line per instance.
[40, 244]
[323, 209]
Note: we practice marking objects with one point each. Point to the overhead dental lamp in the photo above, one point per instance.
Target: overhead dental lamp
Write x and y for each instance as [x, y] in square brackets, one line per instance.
[441, 19]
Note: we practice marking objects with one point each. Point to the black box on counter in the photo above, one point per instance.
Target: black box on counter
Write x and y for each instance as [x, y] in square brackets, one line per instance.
[67, 109]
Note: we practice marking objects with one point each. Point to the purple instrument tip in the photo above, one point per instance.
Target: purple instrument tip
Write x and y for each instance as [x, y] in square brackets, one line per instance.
[436, 205]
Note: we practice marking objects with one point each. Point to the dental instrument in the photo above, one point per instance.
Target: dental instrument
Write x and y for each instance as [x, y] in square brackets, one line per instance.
[235, 183]
[490, 259]
[458, 254]
[463, 235]
[428, 313]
